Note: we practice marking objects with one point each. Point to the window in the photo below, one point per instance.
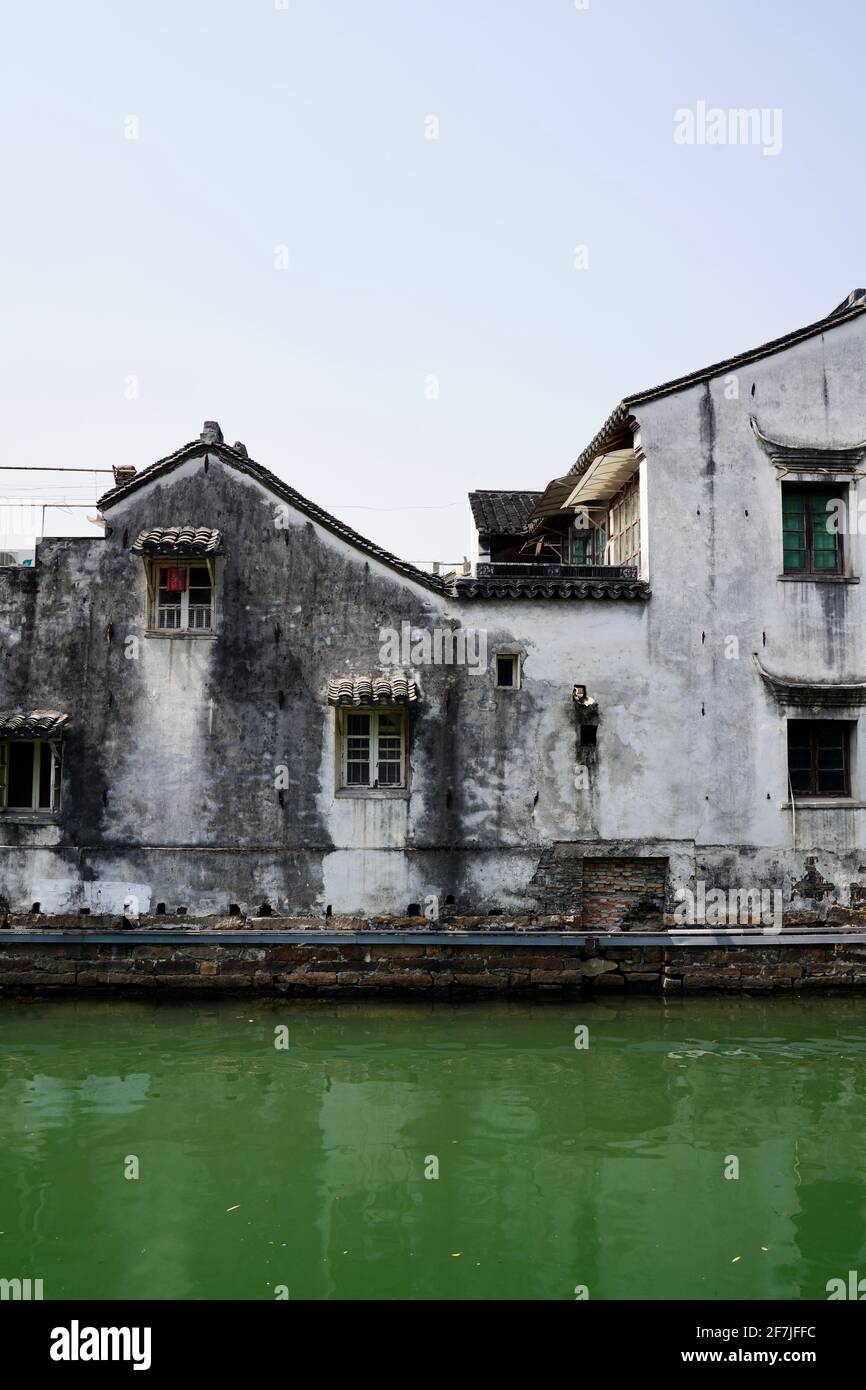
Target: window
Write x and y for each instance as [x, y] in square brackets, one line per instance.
[588, 541]
[372, 748]
[181, 597]
[507, 671]
[811, 538]
[624, 521]
[819, 757]
[29, 775]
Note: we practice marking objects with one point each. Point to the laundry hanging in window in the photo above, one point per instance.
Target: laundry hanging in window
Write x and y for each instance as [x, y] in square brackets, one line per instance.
[176, 579]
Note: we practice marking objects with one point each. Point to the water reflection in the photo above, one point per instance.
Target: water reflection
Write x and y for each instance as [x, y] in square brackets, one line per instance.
[557, 1166]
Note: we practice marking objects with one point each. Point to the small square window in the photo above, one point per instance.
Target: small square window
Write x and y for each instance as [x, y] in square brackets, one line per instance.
[507, 671]
[588, 735]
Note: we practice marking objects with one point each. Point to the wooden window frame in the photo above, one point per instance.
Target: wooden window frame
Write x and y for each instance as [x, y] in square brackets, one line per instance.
[845, 727]
[56, 749]
[154, 565]
[809, 491]
[624, 525]
[375, 714]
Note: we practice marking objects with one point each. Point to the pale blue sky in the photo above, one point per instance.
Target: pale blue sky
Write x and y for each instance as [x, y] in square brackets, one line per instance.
[304, 127]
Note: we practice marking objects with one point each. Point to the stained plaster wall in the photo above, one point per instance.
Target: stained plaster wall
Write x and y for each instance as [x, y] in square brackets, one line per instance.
[174, 743]
[715, 546]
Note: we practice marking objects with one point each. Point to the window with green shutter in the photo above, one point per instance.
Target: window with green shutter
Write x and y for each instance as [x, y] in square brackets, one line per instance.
[811, 535]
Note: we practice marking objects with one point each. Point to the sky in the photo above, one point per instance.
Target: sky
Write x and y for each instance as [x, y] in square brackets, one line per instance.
[405, 248]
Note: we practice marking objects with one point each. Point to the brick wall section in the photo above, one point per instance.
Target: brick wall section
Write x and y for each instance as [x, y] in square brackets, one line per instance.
[623, 892]
[557, 884]
[447, 970]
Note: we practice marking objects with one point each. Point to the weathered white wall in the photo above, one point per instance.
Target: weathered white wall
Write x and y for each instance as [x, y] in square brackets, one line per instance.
[169, 776]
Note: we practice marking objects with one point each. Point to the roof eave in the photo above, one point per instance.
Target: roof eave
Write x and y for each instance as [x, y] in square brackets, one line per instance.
[623, 413]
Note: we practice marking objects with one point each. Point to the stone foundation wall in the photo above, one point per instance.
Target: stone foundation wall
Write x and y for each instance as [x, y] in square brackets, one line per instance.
[448, 969]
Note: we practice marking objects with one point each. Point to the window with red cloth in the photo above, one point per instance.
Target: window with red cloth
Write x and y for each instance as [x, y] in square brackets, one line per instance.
[181, 597]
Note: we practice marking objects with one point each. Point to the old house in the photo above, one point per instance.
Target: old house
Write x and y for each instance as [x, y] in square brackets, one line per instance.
[651, 680]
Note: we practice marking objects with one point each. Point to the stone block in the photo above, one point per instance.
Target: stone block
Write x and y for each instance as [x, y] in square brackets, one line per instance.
[596, 965]
[556, 977]
[478, 981]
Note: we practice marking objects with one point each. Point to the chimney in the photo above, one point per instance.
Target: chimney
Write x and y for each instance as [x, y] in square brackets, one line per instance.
[211, 433]
[123, 473]
[240, 448]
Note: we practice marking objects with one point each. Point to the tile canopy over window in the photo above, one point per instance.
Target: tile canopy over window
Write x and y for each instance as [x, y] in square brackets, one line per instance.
[395, 689]
[180, 593]
[372, 729]
[35, 723]
[30, 759]
[177, 540]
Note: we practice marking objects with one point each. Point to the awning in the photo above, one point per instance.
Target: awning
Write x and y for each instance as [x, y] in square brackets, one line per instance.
[604, 477]
[397, 689]
[34, 723]
[177, 540]
[552, 500]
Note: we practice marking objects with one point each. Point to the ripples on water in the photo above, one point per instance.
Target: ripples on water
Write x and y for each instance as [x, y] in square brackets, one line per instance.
[558, 1166]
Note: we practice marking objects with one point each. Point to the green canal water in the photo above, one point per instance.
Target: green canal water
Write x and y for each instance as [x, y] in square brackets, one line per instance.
[264, 1168]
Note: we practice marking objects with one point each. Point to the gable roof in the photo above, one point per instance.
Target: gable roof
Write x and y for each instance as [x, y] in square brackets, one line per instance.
[238, 458]
[617, 422]
[501, 513]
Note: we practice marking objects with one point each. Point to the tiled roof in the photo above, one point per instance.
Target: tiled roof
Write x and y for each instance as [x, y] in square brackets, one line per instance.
[396, 689]
[244, 464]
[34, 723]
[176, 540]
[540, 587]
[500, 513]
[850, 308]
